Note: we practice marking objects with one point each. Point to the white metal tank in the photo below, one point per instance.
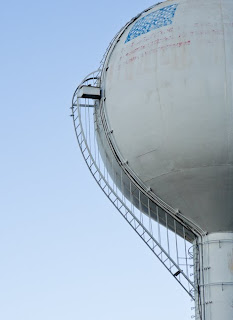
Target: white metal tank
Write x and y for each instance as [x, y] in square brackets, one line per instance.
[163, 126]
[168, 90]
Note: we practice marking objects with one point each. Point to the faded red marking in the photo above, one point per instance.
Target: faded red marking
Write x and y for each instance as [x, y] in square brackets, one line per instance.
[173, 45]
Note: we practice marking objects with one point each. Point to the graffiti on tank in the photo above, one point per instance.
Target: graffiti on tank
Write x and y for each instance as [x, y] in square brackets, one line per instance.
[166, 38]
[157, 19]
[154, 50]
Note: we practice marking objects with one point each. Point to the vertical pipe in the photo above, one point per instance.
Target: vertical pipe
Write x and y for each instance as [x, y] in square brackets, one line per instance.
[214, 277]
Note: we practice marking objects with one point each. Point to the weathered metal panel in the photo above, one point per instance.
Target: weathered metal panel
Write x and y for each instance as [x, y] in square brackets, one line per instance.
[168, 89]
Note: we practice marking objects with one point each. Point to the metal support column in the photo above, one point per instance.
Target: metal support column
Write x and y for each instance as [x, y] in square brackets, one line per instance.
[213, 264]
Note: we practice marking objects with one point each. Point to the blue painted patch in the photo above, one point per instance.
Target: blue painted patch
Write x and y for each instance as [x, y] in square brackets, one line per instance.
[157, 19]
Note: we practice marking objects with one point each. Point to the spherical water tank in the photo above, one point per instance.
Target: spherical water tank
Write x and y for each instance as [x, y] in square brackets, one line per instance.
[168, 89]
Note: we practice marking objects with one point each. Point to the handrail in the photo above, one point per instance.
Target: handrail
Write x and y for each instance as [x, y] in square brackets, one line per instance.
[93, 142]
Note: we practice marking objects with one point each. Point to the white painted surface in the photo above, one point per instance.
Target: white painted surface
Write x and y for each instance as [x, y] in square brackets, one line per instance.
[89, 92]
[169, 96]
[216, 283]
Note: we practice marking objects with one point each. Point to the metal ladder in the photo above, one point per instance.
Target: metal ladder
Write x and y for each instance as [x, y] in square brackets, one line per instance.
[86, 123]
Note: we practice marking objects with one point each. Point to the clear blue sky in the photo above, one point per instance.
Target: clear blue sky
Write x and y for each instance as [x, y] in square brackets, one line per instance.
[65, 253]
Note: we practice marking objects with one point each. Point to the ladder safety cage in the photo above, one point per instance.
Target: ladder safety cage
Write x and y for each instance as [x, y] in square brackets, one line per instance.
[169, 239]
[168, 234]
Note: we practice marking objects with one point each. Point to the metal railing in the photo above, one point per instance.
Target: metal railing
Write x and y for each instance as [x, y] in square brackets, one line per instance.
[166, 236]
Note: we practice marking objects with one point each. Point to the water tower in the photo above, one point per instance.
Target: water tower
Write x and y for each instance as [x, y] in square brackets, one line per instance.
[155, 127]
